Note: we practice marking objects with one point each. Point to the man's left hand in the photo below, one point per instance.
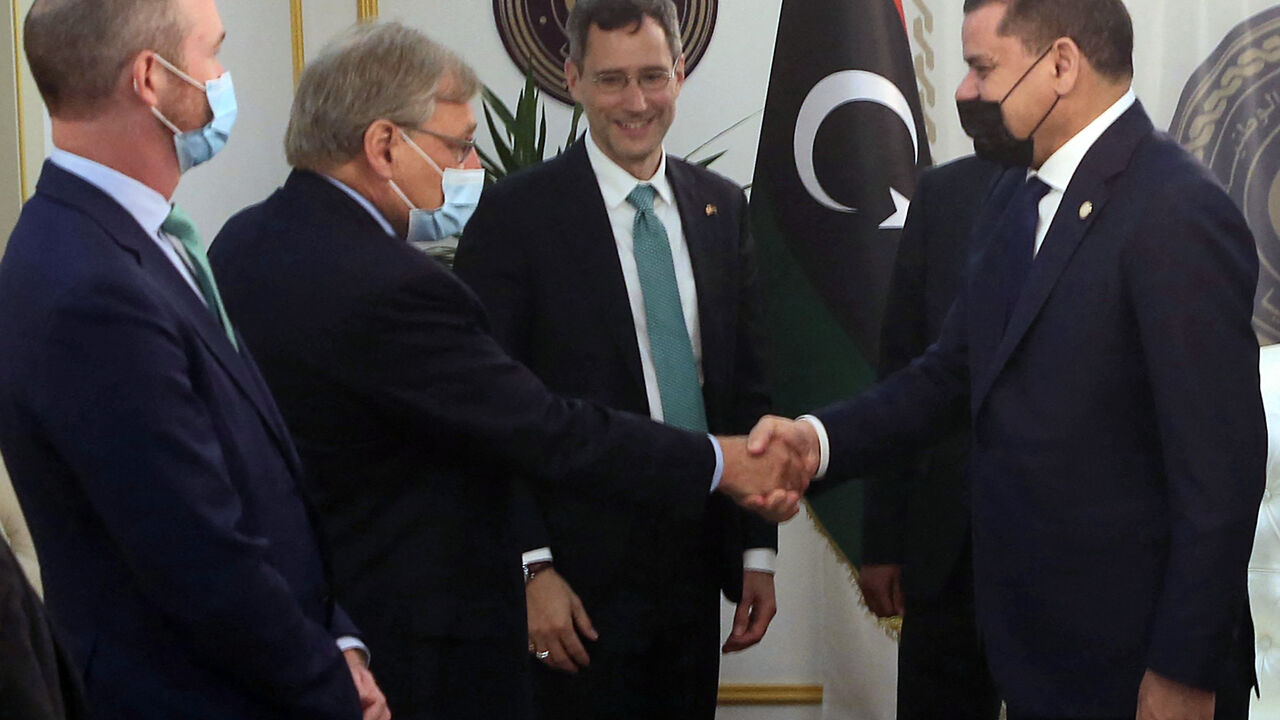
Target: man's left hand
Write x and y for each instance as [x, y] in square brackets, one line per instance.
[755, 612]
[1160, 698]
[372, 702]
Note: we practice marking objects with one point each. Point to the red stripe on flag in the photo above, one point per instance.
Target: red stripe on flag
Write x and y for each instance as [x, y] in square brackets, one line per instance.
[902, 14]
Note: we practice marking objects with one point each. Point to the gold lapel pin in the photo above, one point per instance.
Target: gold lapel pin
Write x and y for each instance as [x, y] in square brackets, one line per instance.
[1086, 209]
[712, 210]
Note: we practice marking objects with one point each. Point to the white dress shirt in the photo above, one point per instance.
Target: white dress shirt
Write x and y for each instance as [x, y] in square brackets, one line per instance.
[1056, 172]
[149, 208]
[615, 185]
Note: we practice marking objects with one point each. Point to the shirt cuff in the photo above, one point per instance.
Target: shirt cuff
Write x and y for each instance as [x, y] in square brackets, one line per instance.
[542, 554]
[824, 446]
[349, 642]
[715, 479]
[760, 560]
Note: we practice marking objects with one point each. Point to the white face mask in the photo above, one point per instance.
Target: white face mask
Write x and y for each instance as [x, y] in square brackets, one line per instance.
[200, 145]
[462, 190]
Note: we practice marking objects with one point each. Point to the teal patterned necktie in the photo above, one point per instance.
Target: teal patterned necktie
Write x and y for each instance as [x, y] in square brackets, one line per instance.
[668, 337]
[179, 225]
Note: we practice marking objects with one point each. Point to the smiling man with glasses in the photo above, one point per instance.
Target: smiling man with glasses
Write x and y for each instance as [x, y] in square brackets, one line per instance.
[624, 275]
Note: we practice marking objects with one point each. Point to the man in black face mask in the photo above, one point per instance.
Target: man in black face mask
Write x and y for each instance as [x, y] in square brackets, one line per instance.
[1102, 348]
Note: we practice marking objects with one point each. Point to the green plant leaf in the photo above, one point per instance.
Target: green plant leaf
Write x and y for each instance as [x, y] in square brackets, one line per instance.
[573, 127]
[493, 171]
[721, 134]
[706, 161]
[499, 146]
[542, 136]
[499, 108]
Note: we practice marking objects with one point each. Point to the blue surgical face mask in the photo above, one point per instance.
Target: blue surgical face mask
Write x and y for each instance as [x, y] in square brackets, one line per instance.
[199, 145]
[462, 190]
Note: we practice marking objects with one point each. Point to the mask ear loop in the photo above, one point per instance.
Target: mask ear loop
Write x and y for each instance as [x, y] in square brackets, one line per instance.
[174, 69]
[420, 151]
[1022, 77]
[401, 195]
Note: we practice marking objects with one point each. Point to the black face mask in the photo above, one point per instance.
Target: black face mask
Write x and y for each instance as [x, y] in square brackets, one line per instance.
[983, 121]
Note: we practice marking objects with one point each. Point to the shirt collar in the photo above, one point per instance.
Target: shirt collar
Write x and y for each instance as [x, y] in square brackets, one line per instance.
[1057, 171]
[148, 207]
[364, 203]
[616, 183]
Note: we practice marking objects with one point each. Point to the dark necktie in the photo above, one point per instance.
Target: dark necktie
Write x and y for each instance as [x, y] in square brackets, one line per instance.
[1018, 239]
[669, 342]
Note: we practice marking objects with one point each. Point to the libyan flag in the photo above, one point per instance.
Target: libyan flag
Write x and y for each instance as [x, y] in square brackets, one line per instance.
[841, 146]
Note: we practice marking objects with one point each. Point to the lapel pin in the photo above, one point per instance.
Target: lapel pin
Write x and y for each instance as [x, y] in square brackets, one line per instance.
[712, 210]
[1086, 209]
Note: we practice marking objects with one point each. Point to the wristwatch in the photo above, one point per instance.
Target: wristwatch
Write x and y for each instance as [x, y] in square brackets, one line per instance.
[533, 569]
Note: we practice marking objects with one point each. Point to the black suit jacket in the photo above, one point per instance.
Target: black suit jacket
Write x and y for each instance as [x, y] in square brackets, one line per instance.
[919, 518]
[158, 478]
[411, 421]
[1119, 443]
[540, 253]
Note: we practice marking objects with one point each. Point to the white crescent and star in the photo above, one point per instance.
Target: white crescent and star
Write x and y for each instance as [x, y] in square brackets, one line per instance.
[834, 91]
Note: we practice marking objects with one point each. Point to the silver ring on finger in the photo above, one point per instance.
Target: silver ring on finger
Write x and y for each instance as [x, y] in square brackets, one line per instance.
[542, 654]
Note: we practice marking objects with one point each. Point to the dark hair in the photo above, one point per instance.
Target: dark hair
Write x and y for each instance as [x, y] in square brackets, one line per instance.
[1101, 28]
[77, 49]
[614, 14]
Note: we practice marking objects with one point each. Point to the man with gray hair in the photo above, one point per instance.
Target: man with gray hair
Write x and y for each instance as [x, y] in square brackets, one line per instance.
[409, 416]
[159, 481]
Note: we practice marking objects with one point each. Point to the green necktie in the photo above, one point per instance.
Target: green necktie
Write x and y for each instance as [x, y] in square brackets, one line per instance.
[179, 225]
[668, 337]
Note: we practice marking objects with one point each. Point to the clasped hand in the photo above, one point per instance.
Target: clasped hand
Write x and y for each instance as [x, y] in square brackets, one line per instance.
[769, 470]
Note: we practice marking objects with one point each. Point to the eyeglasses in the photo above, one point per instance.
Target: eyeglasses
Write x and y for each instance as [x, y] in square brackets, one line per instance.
[461, 147]
[648, 80]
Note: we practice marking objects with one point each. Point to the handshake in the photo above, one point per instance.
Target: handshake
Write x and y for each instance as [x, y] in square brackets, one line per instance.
[769, 470]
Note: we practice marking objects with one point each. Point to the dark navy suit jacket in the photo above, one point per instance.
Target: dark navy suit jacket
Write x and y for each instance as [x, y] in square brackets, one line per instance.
[412, 422]
[1118, 436]
[159, 481]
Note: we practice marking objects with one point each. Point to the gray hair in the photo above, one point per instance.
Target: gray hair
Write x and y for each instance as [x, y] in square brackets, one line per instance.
[374, 71]
[614, 14]
[77, 49]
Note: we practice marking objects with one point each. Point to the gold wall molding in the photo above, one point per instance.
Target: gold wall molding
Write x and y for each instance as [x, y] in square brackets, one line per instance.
[769, 694]
[296, 38]
[366, 10]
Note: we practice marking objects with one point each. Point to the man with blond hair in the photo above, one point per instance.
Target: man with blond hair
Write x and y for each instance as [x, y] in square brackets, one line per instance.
[159, 481]
[409, 416]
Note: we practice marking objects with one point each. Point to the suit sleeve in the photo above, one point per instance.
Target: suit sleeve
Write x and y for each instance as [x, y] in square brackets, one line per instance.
[907, 412]
[492, 264]
[121, 407]
[1190, 271]
[487, 408]
[902, 338]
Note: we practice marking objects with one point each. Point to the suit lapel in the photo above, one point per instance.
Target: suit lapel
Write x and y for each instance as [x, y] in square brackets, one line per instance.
[700, 228]
[126, 232]
[589, 233]
[1107, 158]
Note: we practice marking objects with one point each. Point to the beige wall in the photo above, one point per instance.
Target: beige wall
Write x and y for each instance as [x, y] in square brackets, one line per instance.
[10, 176]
